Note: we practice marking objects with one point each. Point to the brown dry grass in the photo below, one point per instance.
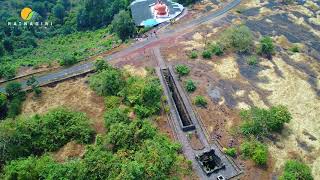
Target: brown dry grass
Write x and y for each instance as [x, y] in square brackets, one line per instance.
[74, 94]
[70, 150]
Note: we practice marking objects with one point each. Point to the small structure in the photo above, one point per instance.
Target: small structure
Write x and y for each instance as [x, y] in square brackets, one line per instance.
[149, 13]
[210, 162]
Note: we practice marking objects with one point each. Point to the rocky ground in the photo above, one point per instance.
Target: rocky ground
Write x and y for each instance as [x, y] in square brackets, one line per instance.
[291, 79]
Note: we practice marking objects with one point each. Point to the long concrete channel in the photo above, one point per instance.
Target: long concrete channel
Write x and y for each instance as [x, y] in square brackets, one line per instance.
[88, 67]
[184, 120]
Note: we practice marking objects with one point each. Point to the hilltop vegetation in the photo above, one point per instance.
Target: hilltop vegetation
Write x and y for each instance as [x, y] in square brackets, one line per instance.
[132, 148]
[80, 29]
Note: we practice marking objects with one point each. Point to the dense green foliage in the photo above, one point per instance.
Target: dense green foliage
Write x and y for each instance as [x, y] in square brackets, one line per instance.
[231, 152]
[143, 94]
[32, 46]
[39, 134]
[130, 150]
[266, 46]
[123, 25]
[261, 122]
[294, 169]
[256, 151]
[182, 70]
[200, 101]
[190, 85]
[112, 102]
[107, 82]
[15, 98]
[239, 38]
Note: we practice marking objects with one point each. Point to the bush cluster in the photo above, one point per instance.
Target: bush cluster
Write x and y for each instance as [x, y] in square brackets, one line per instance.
[256, 151]
[260, 122]
[142, 94]
[294, 169]
[239, 38]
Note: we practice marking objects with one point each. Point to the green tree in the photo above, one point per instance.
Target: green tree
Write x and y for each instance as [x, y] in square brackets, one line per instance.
[107, 82]
[13, 89]
[123, 25]
[59, 11]
[294, 169]
[260, 122]
[68, 60]
[266, 46]
[239, 38]
[8, 45]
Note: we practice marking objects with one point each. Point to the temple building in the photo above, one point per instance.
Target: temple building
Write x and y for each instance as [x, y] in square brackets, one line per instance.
[150, 13]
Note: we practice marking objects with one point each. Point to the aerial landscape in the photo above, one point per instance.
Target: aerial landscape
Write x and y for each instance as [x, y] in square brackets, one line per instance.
[160, 89]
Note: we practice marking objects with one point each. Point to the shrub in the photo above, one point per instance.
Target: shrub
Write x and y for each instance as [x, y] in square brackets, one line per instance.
[295, 49]
[13, 89]
[182, 70]
[252, 60]
[256, 151]
[294, 169]
[261, 122]
[193, 55]
[239, 38]
[9, 72]
[190, 85]
[112, 102]
[200, 101]
[266, 46]
[101, 65]
[206, 54]
[231, 152]
[216, 49]
[68, 60]
[108, 82]
[114, 116]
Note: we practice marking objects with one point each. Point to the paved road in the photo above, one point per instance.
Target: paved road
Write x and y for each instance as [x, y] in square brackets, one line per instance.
[88, 66]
